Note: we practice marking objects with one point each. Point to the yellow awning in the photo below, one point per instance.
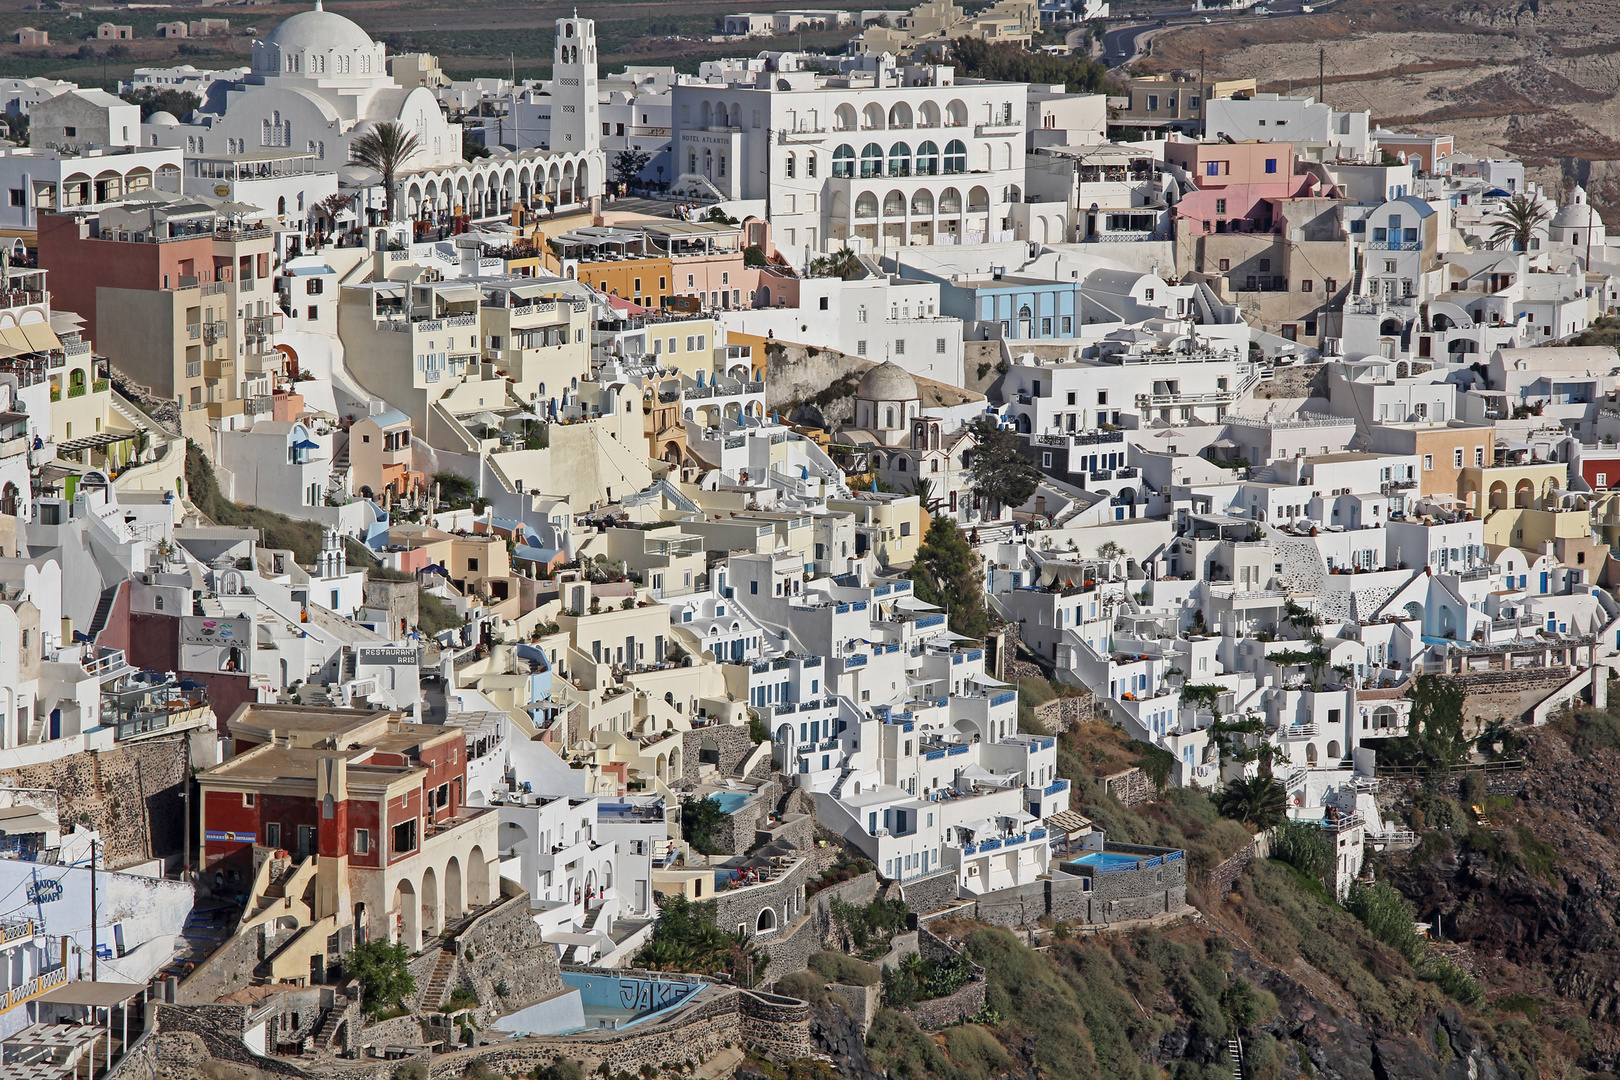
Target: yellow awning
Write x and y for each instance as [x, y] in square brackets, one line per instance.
[12, 337]
[40, 336]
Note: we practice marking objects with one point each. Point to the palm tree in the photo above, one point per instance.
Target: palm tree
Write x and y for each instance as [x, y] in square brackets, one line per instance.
[1516, 223]
[1259, 802]
[385, 148]
[923, 488]
[843, 263]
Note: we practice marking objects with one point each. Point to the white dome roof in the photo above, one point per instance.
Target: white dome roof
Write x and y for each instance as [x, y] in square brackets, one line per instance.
[163, 119]
[320, 31]
[887, 382]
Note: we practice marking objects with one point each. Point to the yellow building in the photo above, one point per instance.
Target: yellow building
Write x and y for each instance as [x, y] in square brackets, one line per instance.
[1507, 486]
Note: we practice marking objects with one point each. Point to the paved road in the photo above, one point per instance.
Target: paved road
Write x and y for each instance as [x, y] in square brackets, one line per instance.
[1121, 43]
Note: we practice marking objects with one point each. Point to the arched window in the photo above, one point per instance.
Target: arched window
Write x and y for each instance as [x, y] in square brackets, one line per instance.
[955, 156]
[889, 417]
[900, 159]
[767, 920]
[900, 463]
[844, 161]
[789, 167]
[928, 159]
[872, 160]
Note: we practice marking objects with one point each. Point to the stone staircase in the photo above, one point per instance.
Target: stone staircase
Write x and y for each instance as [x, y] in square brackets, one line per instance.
[328, 1029]
[1234, 1051]
[438, 983]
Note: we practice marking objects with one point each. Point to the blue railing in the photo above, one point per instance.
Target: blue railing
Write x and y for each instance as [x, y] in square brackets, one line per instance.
[1037, 834]
[990, 845]
[1174, 856]
[956, 658]
[841, 609]
[881, 590]
[929, 620]
[902, 586]
[1003, 698]
[934, 755]
[858, 660]
[975, 654]
[1055, 787]
[859, 605]
[953, 751]
[1019, 839]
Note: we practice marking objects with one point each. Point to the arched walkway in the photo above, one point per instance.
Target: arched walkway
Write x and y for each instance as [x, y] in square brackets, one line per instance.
[432, 925]
[453, 907]
[478, 878]
[407, 928]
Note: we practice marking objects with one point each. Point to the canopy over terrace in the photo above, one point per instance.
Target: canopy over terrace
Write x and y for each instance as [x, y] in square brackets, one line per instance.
[93, 1004]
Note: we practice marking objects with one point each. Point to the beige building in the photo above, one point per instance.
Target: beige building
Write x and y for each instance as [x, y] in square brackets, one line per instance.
[934, 23]
[1452, 456]
[416, 344]
[1171, 102]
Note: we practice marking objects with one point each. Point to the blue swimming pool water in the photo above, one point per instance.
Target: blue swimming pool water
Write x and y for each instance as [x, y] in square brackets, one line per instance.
[730, 801]
[1107, 859]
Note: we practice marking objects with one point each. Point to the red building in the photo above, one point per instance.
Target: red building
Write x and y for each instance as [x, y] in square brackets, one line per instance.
[370, 813]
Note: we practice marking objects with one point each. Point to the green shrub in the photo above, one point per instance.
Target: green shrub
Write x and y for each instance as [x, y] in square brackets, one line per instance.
[411, 1070]
[842, 968]
[803, 984]
[917, 979]
[1304, 847]
[975, 1052]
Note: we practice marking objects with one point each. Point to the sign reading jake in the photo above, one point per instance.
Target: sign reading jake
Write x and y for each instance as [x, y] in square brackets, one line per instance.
[200, 630]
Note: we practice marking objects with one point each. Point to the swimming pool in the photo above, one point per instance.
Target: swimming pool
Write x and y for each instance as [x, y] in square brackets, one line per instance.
[731, 801]
[1108, 860]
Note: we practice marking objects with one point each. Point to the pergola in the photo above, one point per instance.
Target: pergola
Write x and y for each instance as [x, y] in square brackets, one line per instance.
[71, 1014]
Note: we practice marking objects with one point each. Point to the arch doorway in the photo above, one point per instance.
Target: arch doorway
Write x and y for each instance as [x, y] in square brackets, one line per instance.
[452, 889]
[478, 871]
[407, 929]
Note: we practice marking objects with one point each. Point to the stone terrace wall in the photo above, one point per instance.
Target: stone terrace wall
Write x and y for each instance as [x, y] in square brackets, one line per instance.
[505, 945]
[785, 896]
[1064, 713]
[1510, 695]
[966, 1003]
[778, 1026]
[1130, 786]
[130, 793]
[792, 951]
[1219, 879]
[733, 742]
[220, 1029]
[930, 894]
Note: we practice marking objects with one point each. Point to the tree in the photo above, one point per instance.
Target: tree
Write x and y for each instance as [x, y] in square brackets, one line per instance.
[947, 572]
[700, 823]
[471, 148]
[386, 148]
[627, 165]
[927, 497]
[384, 979]
[331, 206]
[176, 103]
[1435, 733]
[1010, 62]
[1516, 223]
[843, 263]
[998, 471]
[1259, 802]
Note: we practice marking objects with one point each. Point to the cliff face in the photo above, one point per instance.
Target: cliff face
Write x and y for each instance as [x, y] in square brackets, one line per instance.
[1532, 896]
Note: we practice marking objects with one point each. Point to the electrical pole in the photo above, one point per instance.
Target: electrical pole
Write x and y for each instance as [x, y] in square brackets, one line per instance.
[185, 825]
[1321, 71]
[93, 953]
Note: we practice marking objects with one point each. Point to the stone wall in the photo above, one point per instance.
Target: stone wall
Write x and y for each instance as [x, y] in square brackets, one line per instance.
[505, 946]
[1095, 900]
[966, 1003]
[1130, 786]
[131, 794]
[1301, 381]
[816, 930]
[1065, 713]
[740, 829]
[1219, 879]
[930, 894]
[227, 970]
[733, 743]
[220, 1029]
[784, 896]
[776, 1026]
[1510, 695]
[1397, 793]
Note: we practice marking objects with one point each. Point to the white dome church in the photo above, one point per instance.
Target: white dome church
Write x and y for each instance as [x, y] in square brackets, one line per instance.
[319, 82]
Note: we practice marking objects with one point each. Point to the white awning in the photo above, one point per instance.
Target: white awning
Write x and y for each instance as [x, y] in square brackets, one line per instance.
[911, 603]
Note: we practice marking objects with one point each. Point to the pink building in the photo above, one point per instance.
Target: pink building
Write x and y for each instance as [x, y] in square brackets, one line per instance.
[1235, 182]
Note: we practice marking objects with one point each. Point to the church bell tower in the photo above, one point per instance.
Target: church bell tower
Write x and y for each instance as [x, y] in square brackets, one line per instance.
[576, 125]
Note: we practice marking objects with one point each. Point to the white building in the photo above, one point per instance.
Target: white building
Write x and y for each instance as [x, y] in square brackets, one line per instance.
[876, 156]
